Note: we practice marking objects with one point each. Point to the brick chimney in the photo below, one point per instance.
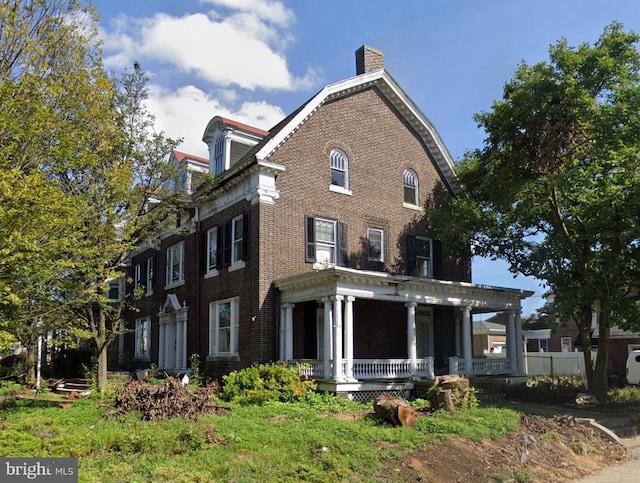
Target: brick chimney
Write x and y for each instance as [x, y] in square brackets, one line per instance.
[368, 59]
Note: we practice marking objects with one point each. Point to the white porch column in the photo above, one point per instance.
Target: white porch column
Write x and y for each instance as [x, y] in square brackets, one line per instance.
[161, 343]
[456, 326]
[466, 341]
[411, 337]
[185, 357]
[338, 374]
[348, 337]
[519, 348]
[283, 341]
[179, 344]
[170, 345]
[511, 341]
[327, 349]
[288, 331]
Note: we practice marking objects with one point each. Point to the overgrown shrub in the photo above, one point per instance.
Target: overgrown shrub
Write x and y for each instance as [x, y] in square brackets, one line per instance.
[555, 390]
[267, 382]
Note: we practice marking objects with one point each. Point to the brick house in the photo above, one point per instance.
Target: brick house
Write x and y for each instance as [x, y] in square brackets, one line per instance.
[311, 244]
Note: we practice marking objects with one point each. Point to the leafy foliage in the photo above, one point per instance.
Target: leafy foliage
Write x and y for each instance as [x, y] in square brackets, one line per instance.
[555, 190]
[267, 382]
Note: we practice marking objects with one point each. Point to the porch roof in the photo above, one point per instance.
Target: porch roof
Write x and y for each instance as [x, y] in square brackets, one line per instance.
[316, 284]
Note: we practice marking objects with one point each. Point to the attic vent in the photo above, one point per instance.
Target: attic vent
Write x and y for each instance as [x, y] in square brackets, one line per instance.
[368, 59]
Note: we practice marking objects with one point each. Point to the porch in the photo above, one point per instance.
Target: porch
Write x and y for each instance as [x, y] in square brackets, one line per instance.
[355, 318]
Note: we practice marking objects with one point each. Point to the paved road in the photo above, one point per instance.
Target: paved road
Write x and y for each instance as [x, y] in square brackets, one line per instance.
[625, 473]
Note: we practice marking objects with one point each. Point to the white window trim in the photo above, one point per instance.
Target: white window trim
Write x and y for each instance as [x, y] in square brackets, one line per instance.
[382, 254]
[339, 153]
[211, 272]
[117, 281]
[150, 273]
[214, 321]
[169, 283]
[339, 189]
[418, 258]
[412, 207]
[409, 173]
[137, 278]
[562, 346]
[320, 264]
[138, 339]
[236, 263]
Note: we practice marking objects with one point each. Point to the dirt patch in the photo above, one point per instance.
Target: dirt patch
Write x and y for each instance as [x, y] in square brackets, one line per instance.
[555, 449]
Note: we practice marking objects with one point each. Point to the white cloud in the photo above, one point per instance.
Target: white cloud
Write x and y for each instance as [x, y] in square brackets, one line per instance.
[270, 11]
[242, 45]
[185, 112]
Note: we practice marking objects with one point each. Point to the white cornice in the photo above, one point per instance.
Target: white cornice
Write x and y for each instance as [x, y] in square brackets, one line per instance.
[384, 286]
[398, 98]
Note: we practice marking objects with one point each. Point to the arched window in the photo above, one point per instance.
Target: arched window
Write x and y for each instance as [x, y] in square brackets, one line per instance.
[339, 169]
[410, 187]
[218, 156]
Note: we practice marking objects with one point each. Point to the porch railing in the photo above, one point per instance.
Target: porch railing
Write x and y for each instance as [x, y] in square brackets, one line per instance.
[481, 367]
[372, 368]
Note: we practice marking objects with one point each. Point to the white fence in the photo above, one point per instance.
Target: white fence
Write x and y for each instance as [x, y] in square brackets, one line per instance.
[372, 368]
[555, 364]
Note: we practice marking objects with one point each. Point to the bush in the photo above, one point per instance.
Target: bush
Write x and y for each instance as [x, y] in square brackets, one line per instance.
[267, 382]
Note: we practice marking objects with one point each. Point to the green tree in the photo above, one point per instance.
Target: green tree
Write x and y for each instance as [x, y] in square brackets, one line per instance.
[81, 172]
[42, 62]
[125, 204]
[555, 189]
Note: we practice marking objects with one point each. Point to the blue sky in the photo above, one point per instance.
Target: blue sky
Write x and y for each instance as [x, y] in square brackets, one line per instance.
[257, 60]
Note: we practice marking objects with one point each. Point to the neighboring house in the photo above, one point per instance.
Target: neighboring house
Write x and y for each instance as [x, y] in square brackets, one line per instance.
[489, 338]
[311, 245]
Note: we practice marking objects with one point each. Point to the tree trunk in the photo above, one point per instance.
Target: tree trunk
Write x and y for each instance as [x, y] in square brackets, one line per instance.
[31, 364]
[395, 410]
[597, 374]
[102, 343]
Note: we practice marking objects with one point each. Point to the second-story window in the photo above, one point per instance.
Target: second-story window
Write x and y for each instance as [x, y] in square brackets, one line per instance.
[410, 187]
[149, 276]
[420, 256]
[237, 239]
[326, 241]
[375, 239]
[339, 169]
[212, 249]
[175, 264]
[219, 156]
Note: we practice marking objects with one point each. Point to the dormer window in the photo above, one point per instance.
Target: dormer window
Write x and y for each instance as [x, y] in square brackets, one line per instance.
[411, 187]
[218, 156]
[339, 163]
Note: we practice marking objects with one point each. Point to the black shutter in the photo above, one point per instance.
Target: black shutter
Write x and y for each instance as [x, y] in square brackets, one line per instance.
[219, 246]
[310, 239]
[437, 259]
[154, 275]
[204, 250]
[343, 251]
[411, 254]
[143, 274]
[246, 230]
[226, 249]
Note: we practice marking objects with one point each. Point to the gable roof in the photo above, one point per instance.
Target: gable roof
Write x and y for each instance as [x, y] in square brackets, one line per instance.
[393, 93]
[180, 157]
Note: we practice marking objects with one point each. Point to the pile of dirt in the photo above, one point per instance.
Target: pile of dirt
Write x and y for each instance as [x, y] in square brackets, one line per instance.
[558, 449]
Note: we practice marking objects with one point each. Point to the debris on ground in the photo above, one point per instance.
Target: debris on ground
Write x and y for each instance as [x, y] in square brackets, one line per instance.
[168, 400]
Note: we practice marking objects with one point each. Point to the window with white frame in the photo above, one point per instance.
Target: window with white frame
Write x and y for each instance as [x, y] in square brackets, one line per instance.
[237, 240]
[326, 241]
[137, 280]
[224, 323]
[175, 264]
[410, 187]
[339, 169]
[565, 344]
[420, 256]
[219, 156]
[375, 239]
[150, 276]
[143, 338]
[212, 249]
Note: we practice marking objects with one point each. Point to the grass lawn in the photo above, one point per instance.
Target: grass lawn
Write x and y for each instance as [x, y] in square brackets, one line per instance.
[322, 439]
